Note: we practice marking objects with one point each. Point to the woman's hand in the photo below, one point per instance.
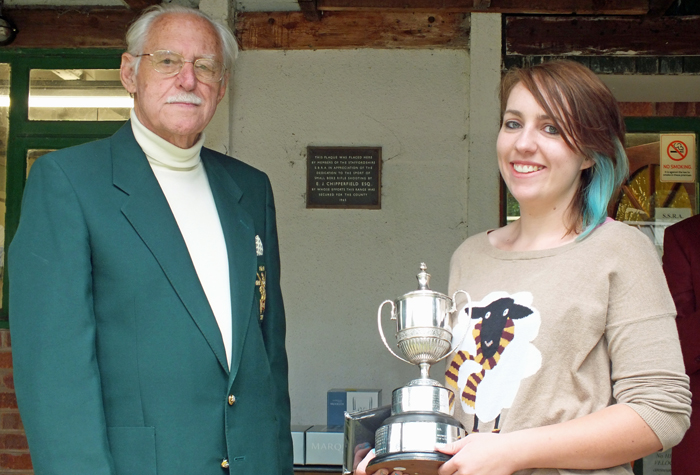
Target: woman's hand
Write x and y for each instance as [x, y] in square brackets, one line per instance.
[363, 454]
[478, 454]
[362, 467]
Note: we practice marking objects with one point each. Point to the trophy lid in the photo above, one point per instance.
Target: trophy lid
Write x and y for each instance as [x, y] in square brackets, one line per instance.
[423, 277]
[423, 286]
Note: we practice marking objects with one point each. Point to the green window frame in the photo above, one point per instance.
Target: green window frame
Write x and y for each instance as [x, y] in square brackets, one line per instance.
[25, 135]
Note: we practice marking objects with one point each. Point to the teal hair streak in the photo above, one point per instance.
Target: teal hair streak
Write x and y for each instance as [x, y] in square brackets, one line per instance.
[606, 177]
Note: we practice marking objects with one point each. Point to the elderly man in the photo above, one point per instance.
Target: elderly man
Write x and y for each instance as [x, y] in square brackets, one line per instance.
[146, 314]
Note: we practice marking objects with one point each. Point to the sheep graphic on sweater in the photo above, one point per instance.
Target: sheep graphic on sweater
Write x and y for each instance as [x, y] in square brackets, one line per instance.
[487, 369]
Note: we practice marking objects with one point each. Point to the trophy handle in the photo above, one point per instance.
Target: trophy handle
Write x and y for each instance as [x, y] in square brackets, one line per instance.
[454, 309]
[381, 331]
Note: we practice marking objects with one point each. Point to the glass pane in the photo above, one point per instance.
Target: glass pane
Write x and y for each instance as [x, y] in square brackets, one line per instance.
[77, 94]
[32, 155]
[645, 201]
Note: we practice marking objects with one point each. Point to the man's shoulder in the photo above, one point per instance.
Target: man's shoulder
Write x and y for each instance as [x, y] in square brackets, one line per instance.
[689, 226]
[234, 165]
[86, 157]
[90, 153]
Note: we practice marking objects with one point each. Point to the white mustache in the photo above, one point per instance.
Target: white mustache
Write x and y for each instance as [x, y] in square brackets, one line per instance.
[186, 97]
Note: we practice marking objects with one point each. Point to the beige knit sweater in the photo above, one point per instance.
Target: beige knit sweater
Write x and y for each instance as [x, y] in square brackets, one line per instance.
[560, 333]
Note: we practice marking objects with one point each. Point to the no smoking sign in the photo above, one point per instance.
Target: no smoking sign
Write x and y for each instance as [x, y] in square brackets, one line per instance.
[677, 150]
[677, 158]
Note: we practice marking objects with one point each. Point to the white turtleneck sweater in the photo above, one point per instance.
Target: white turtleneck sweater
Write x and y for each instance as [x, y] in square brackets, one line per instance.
[184, 182]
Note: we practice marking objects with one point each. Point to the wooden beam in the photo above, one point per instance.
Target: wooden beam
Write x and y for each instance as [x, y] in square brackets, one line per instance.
[678, 35]
[290, 30]
[544, 7]
[658, 7]
[74, 28]
[138, 5]
[310, 10]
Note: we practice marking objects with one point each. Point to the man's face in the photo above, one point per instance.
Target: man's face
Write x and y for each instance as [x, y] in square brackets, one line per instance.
[161, 102]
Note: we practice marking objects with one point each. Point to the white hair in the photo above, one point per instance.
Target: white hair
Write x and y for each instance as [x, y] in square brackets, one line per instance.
[138, 32]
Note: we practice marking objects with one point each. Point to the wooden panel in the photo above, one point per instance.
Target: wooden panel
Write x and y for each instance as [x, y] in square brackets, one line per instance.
[53, 28]
[658, 7]
[309, 9]
[289, 30]
[561, 7]
[140, 4]
[597, 36]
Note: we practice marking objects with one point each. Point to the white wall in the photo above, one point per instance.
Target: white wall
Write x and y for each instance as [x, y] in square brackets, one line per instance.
[483, 189]
[440, 184]
[339, 265]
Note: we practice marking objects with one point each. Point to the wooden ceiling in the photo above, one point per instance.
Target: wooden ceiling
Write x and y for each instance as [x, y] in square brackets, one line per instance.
[314, 9]
[530, 26]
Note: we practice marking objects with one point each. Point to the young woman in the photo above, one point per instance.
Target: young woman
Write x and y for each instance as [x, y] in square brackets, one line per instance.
[573, 363]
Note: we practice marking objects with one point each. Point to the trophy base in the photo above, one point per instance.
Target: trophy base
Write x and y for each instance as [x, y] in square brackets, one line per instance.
[415, 463]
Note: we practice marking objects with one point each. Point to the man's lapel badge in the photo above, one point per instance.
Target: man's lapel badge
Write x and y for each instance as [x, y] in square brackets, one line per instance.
[260, 277]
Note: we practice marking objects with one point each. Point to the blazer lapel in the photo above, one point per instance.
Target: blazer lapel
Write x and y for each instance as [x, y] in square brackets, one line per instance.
[147, 209]
[239, 234]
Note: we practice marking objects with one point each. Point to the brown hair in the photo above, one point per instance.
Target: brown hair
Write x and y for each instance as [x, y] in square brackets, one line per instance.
[585, 112]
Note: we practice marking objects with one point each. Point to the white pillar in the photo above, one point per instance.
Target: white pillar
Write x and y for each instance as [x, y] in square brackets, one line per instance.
[484, 119]
[218, 131]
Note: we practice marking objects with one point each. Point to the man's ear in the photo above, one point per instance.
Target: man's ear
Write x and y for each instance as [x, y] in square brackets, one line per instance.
[222, 89]
[127, 73]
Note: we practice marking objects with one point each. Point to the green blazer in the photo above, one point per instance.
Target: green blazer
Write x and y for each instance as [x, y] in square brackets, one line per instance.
[119, 364]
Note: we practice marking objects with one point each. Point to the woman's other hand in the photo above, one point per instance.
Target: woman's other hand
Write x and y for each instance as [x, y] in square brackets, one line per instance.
[478, 454]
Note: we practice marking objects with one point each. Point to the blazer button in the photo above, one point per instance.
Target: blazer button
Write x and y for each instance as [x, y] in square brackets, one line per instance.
[231, 400]
[224, 463]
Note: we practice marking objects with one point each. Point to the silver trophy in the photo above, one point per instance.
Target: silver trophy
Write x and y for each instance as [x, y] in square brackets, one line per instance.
[421, 416]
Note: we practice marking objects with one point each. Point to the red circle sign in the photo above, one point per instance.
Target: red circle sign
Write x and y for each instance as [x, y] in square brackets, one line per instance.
[677, 150]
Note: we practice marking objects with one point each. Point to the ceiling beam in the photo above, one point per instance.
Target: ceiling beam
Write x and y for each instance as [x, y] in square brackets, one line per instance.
[658, 7]
[543, 36]
[290, 30]
[139, 5]
[310, 10]
[73, 28]
[543, 7]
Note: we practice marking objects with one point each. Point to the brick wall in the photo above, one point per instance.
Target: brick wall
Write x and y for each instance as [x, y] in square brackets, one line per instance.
[14, 453]
[660, 109]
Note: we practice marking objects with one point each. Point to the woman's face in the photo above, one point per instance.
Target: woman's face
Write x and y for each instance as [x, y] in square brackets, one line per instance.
[539, 168]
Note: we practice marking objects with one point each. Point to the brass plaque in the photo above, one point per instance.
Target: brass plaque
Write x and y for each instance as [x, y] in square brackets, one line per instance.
[344, 177]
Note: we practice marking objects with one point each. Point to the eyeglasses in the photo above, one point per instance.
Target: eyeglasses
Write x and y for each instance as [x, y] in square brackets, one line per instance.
[170, 64]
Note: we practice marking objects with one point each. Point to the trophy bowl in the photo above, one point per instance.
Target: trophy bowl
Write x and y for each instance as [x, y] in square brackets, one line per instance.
[421, 415]
[424, 345]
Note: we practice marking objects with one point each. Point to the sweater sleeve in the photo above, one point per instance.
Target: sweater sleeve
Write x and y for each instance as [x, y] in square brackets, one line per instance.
[646, 360]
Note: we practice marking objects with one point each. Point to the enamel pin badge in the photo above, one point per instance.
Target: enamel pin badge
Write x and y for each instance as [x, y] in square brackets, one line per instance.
[260, 277]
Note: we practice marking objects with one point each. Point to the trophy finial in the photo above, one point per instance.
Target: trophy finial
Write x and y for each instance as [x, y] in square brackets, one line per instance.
[423, 278]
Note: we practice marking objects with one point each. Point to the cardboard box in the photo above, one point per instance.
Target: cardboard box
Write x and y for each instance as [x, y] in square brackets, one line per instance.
[299, 443]
[324, 445]
[340, 401]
